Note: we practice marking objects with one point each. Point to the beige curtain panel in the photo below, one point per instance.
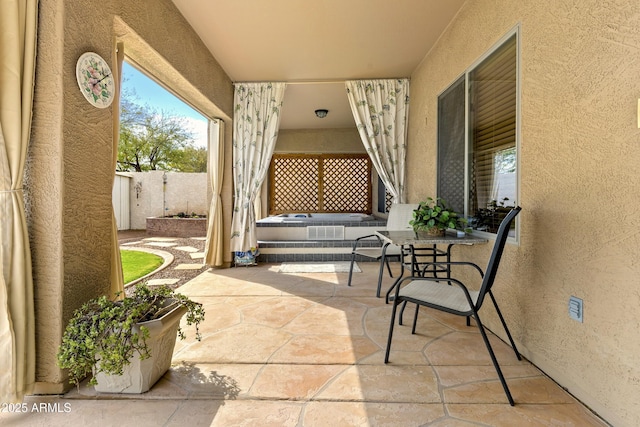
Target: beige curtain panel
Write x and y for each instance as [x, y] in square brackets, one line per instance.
[381, 111]
[18, 24]
[256, 122]
[117, 278]
[213, 252]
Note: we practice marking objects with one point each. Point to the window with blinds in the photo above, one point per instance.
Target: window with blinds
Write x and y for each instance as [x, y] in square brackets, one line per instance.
[492, 125]
[477, 138]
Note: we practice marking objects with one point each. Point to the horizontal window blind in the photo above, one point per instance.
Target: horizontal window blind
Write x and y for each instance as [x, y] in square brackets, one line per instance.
[492, 109]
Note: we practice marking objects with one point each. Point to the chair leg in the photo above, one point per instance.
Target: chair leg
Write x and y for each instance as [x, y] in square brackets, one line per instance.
[386, 261]
[353, 260]
[393, 320]
[383, 261]
[415, 319]
[504, 325]
[401, 316]
[494, 360]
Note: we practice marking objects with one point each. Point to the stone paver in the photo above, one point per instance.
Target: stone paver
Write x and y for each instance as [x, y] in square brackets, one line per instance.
[186, 248]
[188, 267]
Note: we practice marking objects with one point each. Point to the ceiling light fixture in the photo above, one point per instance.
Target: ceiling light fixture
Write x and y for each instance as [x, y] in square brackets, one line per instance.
[322, 113]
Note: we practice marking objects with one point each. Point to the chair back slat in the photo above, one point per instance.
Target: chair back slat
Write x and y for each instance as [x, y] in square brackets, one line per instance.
[496, 254]
[399, 216]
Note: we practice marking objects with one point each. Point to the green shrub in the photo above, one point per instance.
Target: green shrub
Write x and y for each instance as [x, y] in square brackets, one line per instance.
[100, 335]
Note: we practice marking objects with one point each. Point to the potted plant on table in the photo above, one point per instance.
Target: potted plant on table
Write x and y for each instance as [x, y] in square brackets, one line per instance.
[127, 344]
[435, 217]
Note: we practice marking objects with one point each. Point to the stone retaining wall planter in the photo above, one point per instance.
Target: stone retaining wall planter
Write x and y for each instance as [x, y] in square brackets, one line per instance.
[177, 227]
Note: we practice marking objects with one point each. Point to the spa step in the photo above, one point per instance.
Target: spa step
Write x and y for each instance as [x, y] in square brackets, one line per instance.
[309, 250]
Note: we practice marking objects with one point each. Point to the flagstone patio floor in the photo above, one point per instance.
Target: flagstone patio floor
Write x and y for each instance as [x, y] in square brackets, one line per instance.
[305, 350]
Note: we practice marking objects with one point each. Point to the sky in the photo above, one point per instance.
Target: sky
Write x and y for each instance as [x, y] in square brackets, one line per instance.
[150, 92]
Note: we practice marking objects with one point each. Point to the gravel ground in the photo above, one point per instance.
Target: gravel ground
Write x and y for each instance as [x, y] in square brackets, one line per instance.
[180, 256]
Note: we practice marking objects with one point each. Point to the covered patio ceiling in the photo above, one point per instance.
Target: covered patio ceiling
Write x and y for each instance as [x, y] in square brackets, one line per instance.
[315, 46]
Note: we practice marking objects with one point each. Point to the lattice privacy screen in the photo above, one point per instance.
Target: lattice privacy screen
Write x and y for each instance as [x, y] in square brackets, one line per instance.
[320, 183]
[388, 200]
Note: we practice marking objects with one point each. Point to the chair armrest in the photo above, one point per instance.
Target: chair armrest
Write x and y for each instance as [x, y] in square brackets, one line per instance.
[449, 263]
[355, 243]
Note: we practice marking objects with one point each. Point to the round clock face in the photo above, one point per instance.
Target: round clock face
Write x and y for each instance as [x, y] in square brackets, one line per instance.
[95, 79]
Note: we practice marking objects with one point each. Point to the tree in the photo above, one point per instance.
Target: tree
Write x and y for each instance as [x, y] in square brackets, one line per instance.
[191, 159]
[155, 140]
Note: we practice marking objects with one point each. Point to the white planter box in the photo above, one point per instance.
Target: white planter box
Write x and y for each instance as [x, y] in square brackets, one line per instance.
[141, 375]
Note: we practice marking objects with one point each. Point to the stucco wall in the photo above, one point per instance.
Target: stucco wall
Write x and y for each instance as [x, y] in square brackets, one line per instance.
[578, 185]
[319, 141]
[69, 174]
[148, 197]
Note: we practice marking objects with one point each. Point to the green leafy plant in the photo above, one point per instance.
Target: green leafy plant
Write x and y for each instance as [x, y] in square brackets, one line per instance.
[434, 214]
[101, 336]
[489, 219]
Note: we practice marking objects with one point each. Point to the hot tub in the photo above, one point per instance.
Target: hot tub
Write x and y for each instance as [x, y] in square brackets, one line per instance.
[313, 237]
[302, 226]
[316, 218]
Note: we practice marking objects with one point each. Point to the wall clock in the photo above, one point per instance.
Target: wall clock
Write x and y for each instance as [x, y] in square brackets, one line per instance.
[95, 79]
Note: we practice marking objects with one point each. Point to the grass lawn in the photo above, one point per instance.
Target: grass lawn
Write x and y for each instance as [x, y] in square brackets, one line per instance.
[136, 264]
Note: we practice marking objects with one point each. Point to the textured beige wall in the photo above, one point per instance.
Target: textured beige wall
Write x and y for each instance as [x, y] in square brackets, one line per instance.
[184, 192]
[580, 81]
[319, 141]
[69, 174]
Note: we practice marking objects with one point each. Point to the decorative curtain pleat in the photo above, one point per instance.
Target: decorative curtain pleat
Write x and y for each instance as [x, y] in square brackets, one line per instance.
[255, 129]
[381, 111]
[213, 253]
[117, 278]
[18, 21]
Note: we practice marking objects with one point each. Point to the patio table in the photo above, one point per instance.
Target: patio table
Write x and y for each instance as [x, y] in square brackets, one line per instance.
[409, 239]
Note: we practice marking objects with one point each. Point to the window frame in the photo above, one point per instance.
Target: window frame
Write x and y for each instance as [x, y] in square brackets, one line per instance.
[468, 148]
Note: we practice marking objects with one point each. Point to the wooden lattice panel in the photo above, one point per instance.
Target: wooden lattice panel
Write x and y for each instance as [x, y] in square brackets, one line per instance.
[346, 184]
[297, 184]
[320, 183]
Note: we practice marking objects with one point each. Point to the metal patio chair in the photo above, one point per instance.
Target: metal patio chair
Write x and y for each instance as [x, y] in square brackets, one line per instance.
[398, 219]
[452, 296]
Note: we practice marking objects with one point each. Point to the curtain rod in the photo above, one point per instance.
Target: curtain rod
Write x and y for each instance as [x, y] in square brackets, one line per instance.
[317, 82]
[297, 82]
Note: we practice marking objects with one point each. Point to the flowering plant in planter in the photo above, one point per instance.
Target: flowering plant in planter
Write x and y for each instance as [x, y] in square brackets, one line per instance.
[434, 217]
[104, 335]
